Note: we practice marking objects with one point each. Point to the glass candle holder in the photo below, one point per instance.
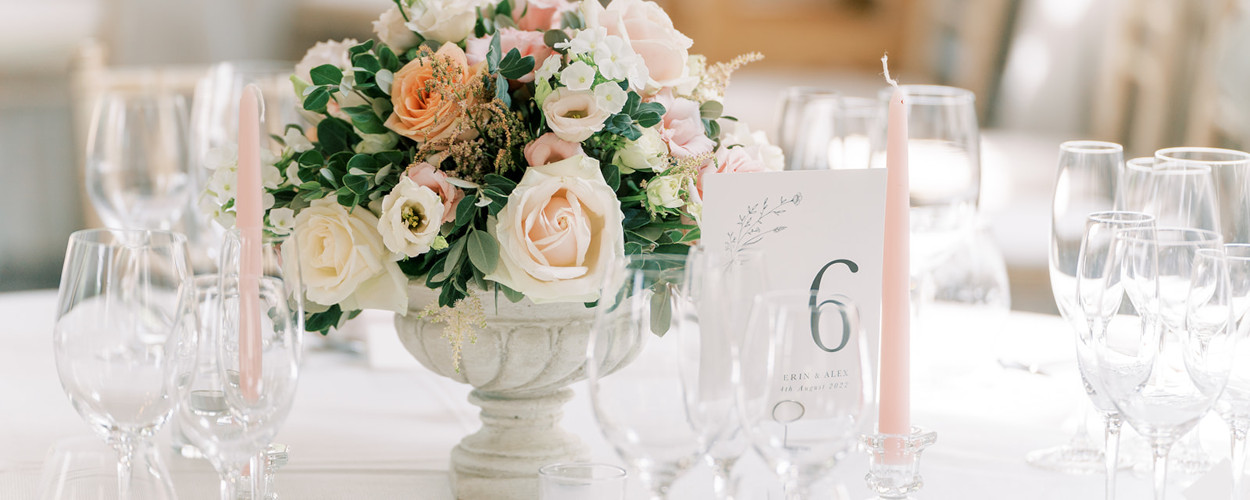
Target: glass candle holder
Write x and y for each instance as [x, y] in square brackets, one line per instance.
[894, 461]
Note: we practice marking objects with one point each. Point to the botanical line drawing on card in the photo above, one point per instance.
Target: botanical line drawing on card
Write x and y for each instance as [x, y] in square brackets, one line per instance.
[759, 221]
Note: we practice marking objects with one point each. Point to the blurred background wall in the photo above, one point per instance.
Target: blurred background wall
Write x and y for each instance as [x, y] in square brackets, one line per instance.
[1146, 73]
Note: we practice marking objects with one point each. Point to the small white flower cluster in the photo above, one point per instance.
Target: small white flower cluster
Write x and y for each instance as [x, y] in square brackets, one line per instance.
[218, 198]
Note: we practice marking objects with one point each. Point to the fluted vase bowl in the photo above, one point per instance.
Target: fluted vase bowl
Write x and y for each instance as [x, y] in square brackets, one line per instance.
[520, 368]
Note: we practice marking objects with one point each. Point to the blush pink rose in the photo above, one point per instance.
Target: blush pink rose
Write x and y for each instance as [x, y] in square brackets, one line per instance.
[540, 15]
[528, 43]
[733, 160]
[651, 34]
[550, 148]
[682, 128]
[431, 177]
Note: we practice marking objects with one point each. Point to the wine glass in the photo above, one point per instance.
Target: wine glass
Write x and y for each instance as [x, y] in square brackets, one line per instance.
[808, 127]
[804, 389]
[137, 175]
[643, 314]
[235, 403]
[1231, 172]
[1092, 278]
[1183, 194]
[124, 333]
[1164, 361]
[719, 283]
[855, 122]
[1086, 182]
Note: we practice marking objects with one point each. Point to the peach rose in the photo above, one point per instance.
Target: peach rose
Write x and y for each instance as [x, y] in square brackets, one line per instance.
[422, 115]
[528, 43]
[431, 177]
[650, 32]
[730, 161]
[550, 148]
[682, 127]
[539, 15]
[575, 115]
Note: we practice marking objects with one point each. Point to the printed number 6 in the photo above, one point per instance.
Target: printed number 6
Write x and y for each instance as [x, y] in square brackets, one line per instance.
[815, 308]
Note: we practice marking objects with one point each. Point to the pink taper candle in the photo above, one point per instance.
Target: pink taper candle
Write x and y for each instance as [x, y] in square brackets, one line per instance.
[894, 417]
[248, 216]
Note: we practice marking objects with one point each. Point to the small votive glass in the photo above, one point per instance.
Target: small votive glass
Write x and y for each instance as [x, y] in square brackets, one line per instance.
[581, 481]
[894, 462]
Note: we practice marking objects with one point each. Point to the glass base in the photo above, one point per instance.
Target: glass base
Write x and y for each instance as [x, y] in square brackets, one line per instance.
[1069, 459]
[894, 462]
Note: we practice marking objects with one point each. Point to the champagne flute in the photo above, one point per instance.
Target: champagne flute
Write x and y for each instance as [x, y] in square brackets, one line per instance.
[642, 314]
[230, 423]
[1234, 404]
[124, 335]
[1133, 194]
[1086, 182]
[1164, 361]
[804, 388]
[137, 173]
[1092, 278]
[1183, 194]
[719, 283]
[1231, 172]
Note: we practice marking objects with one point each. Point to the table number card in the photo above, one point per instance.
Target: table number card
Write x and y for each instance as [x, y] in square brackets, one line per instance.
[822, 230]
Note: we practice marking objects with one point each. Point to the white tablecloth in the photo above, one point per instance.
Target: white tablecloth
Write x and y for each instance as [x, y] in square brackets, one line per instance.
[362, 432]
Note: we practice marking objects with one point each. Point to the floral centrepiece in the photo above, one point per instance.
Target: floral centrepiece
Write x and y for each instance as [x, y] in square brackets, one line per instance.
[515, 147]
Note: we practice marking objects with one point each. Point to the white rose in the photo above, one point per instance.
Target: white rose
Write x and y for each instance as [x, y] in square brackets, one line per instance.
[391, 31]
[344, 261]
[443, 20]
[574, 115]
[559, 233]
[649, 152]
[376, 143]
[755, 143]
[411, 217]
[665, 192]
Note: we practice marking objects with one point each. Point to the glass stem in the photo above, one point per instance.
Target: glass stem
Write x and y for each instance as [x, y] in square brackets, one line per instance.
[1160, 463]
[1239, 455]
[257, 475]
[1112, 451]
[125, 447]
[232, 482]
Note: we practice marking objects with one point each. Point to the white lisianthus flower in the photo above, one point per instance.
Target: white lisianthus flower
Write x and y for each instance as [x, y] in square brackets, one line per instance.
[295, 140]
[411, 217]
[574, 115]
[344, 261]
[559, 233]
[550, 67]
[665, 191]
[281, 221]
[648, 153]
[391, 30]
[578, 76]
[376, 143]
[610, 97]
[443, 20]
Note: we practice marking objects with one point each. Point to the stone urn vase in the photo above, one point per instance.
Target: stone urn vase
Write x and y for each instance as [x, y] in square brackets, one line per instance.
[520, 368]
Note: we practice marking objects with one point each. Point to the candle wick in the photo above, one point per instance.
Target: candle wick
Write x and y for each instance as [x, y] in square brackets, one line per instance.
[886, 66]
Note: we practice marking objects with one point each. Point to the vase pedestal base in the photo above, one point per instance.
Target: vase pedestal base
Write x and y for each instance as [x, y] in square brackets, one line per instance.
[518, 436]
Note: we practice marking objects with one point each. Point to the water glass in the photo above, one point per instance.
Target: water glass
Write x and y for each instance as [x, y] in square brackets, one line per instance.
[581, 481]
[124, 341]
[1231, 172]
[807, 127]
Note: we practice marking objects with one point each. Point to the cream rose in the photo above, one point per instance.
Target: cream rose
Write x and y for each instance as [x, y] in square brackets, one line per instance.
[420, 113]
[344, 261]
[446, 21]
[574, 115]
[411, 217]
[393, 32]
[425, 174]
[550, 148]
[665, 191]
[648, 152]
[650, 33]
[559, 233]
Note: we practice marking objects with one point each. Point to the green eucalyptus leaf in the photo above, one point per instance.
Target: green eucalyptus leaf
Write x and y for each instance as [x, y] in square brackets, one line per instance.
[711, 110]
[326, 74]
[483, 251]
[317, 99]
[358, 184]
